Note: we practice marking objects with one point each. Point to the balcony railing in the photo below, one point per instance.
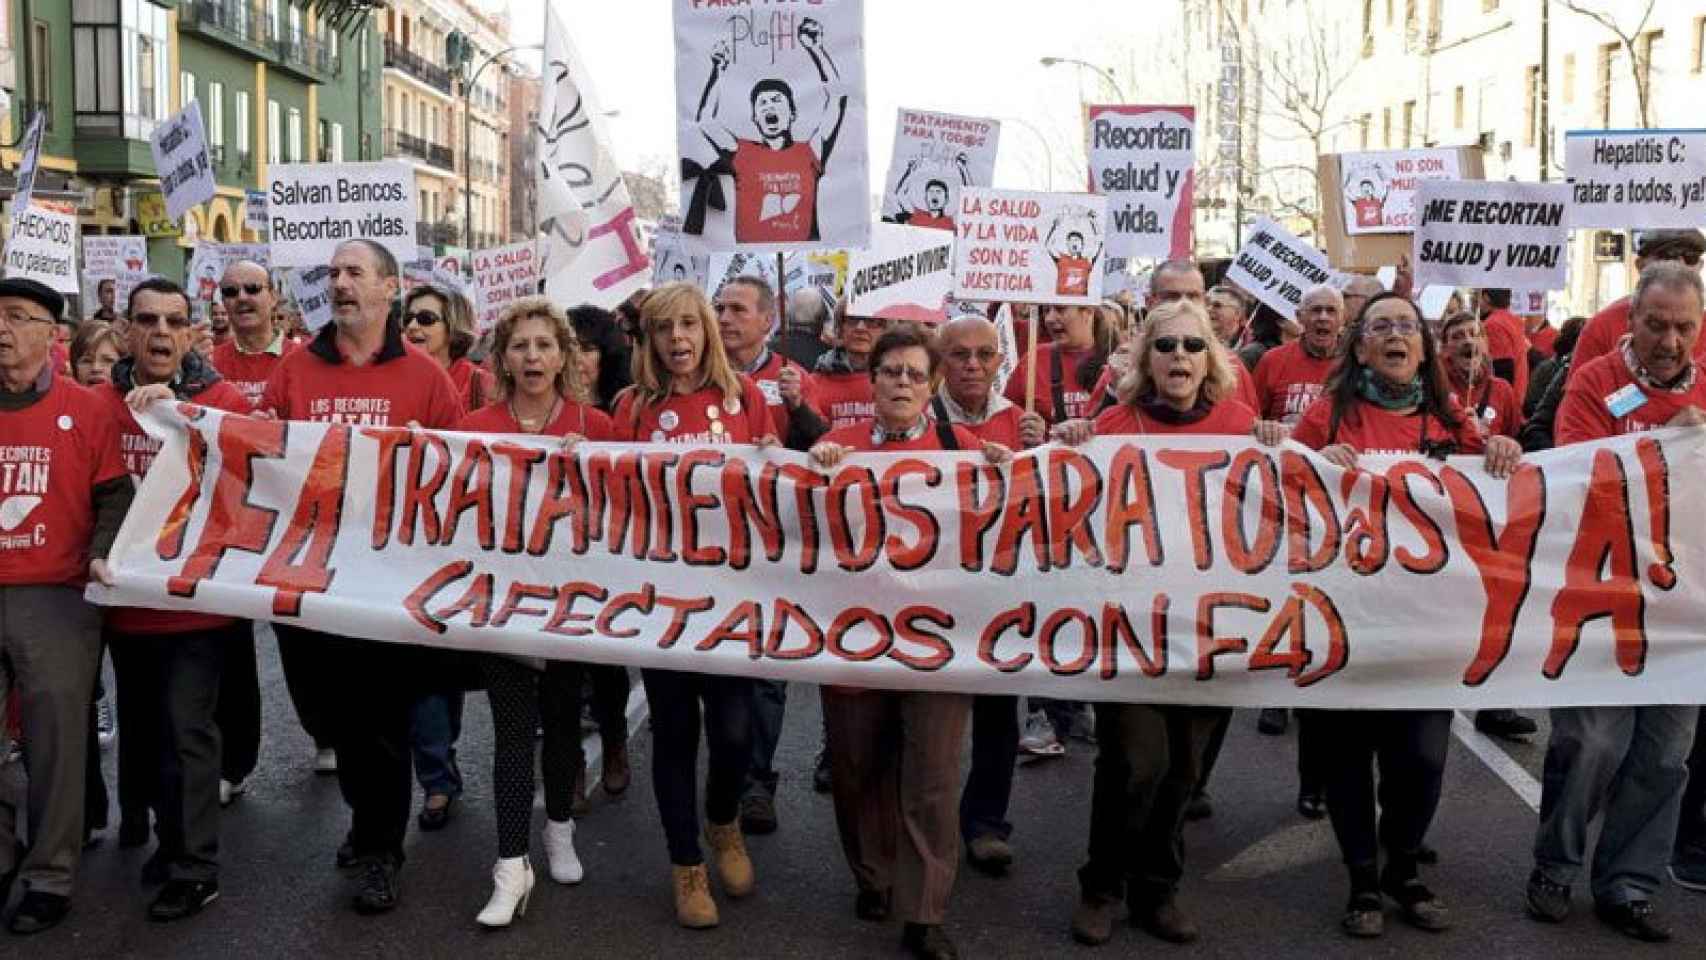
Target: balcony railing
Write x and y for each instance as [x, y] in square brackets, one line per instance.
[429, 233]
[399, 143]
[246, 25]
[307, 55]
[416, 66]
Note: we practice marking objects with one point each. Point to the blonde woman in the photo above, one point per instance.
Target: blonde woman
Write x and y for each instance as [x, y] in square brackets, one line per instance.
[539, 392]
[685, 391]
[94, 350]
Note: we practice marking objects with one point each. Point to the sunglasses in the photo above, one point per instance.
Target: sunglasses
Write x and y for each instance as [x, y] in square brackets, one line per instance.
[176, 321]
[873, 322]
[1171, 344]
[252, 289]
[423, 318]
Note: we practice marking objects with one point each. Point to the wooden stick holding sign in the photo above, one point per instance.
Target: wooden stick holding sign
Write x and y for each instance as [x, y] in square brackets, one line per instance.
[1031, 364]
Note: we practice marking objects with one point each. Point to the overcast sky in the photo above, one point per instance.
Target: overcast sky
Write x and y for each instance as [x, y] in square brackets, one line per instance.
[973, 57]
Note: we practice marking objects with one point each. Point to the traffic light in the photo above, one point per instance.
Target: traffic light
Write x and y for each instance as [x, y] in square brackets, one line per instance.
[458, 49]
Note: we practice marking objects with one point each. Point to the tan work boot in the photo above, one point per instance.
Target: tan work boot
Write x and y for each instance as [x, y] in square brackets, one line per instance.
[694, 908]
[728, 851]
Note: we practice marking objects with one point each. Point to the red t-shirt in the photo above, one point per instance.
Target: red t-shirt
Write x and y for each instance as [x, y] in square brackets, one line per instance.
[138, 449]
[1072, 276]
[1507, 339]
[1246, 393]
[474, 384]
[1544, 340]
[1585, 412]
[1003, 428]
[924, 218]
[579, 418]
[768, 379]
[53, 453]
[1370, 429]
[248, 373]
[1371, 212]
[1228, 418]
[700, 417]
[845, 398]
[1494, 403]
[775, 192]
[1075, 397]
[1288, 380]
[857, 436]
[1599, 337]
[408, 386]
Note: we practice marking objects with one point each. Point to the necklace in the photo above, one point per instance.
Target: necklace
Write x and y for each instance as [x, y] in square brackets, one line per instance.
[535, 425]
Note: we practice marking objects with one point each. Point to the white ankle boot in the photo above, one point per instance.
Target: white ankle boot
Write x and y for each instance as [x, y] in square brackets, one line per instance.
[560, 852]
[512, 881]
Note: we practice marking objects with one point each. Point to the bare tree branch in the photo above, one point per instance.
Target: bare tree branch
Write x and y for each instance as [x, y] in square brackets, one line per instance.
[1640, 67]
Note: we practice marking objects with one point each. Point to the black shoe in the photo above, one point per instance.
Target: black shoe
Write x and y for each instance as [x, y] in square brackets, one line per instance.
[10, 876]
[928, 941]
[346, 858]
[1159, 916]
[758, 811]
[182, 898]
[1093, 921]
[1272, 721]
[380, 889]
[39, 911]
[1504, 724]
[1547, 900]
[156, 869]
[1633, 919]
[1417, 905]
[1311, 806]
[1199, 807]
[435, 818]
[1427, 856]
[133, 832]
[1363, 918]
[820, 775]
[872, 905]
[989, 855]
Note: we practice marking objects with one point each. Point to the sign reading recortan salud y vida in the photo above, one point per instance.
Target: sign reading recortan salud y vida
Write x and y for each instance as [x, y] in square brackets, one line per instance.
[1030, 247]
[313, 207]
[43, 247]
[1277, 268]
[1143, 158]
[1491, 233]
[1636, 178]
[180, 158]
[503, 275]
[905, 274]
[1379, 188]
[935, 156]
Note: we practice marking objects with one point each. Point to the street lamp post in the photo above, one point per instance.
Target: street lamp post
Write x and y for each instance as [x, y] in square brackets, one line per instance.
[1102, 72]
[460, 49]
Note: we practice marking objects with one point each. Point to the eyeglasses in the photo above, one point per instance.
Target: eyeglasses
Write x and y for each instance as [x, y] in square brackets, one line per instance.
[981, 356]
[1172, 344]
[912, 375]
[1388, 328]
[875, 323]
[176, 321]
[231, 290]
[423, 318]
[18, 319]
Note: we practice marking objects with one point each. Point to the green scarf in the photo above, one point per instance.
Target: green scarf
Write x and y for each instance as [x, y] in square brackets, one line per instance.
[1388, 395]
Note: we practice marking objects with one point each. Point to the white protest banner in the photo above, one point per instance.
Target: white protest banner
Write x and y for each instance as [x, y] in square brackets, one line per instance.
[124, 281]
[674, 259]
[103, 258]
[771, 126]
[1143, 158]
[818, 269]
[180, 158]
[905, 274]
[723, 267]
[1202, 569]
[1276, 268]
[311, 288]
[255, 210]
[1528, 302]
[503, 275]
[935, 154]
[590, 249]
[43, 247]
[313, 207]
[1491, 233]
[1030, 247]
[1379, 189]
[1636, 178]
[29, 155]
[1009, 348]
[208, 263]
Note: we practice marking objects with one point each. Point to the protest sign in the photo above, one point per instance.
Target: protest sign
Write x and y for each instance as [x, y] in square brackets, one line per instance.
[1173, 569]
[1379, 189]
[503, 275]
[723, 267]
[179, 146]
[771, 126]
[590, 248]
[1636, 178]
[1277, 268]
[151, 214]
[311, 288]
[905, 274]
[1009, 348]
[1142, 158]
[103, 258]
[1030, 247]
[674, 259]
[935, 154]
[43, 247]
[124, 281]
[29, 155]
[824, 270]
[1481, 233]
[208, 263]
[313, 207]
[1528, 302]
[255, 210]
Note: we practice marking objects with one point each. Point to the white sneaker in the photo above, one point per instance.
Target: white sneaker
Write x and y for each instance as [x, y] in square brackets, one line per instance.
[1038, 739]
[229, 791]
[512, 885]
[105, 723]
[325, 761]
[560, 852]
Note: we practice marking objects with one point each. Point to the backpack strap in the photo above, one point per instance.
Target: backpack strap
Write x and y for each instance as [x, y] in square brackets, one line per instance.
[1056, 385]
[944, 426]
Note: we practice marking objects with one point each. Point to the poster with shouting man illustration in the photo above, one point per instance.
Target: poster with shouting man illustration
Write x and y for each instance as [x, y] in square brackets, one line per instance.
[770, 103]
[935, 154]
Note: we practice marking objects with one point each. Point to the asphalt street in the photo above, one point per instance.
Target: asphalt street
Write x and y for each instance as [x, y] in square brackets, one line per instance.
[1261, 881]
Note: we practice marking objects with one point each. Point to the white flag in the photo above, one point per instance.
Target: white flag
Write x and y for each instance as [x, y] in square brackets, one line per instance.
[590, 243]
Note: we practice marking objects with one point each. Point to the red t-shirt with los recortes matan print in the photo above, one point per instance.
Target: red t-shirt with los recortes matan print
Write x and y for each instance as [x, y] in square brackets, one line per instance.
[401, 384]
[701, 417]
[1287, 381]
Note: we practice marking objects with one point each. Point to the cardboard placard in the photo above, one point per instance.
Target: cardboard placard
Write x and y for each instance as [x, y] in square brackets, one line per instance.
[1365, 253]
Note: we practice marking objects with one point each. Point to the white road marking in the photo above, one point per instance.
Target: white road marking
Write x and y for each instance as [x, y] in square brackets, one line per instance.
[1497, 760]
[592, 745]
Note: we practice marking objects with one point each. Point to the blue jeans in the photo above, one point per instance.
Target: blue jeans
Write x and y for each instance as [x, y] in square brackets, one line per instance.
[437, 727]
[769, 706]
[1629, 763]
